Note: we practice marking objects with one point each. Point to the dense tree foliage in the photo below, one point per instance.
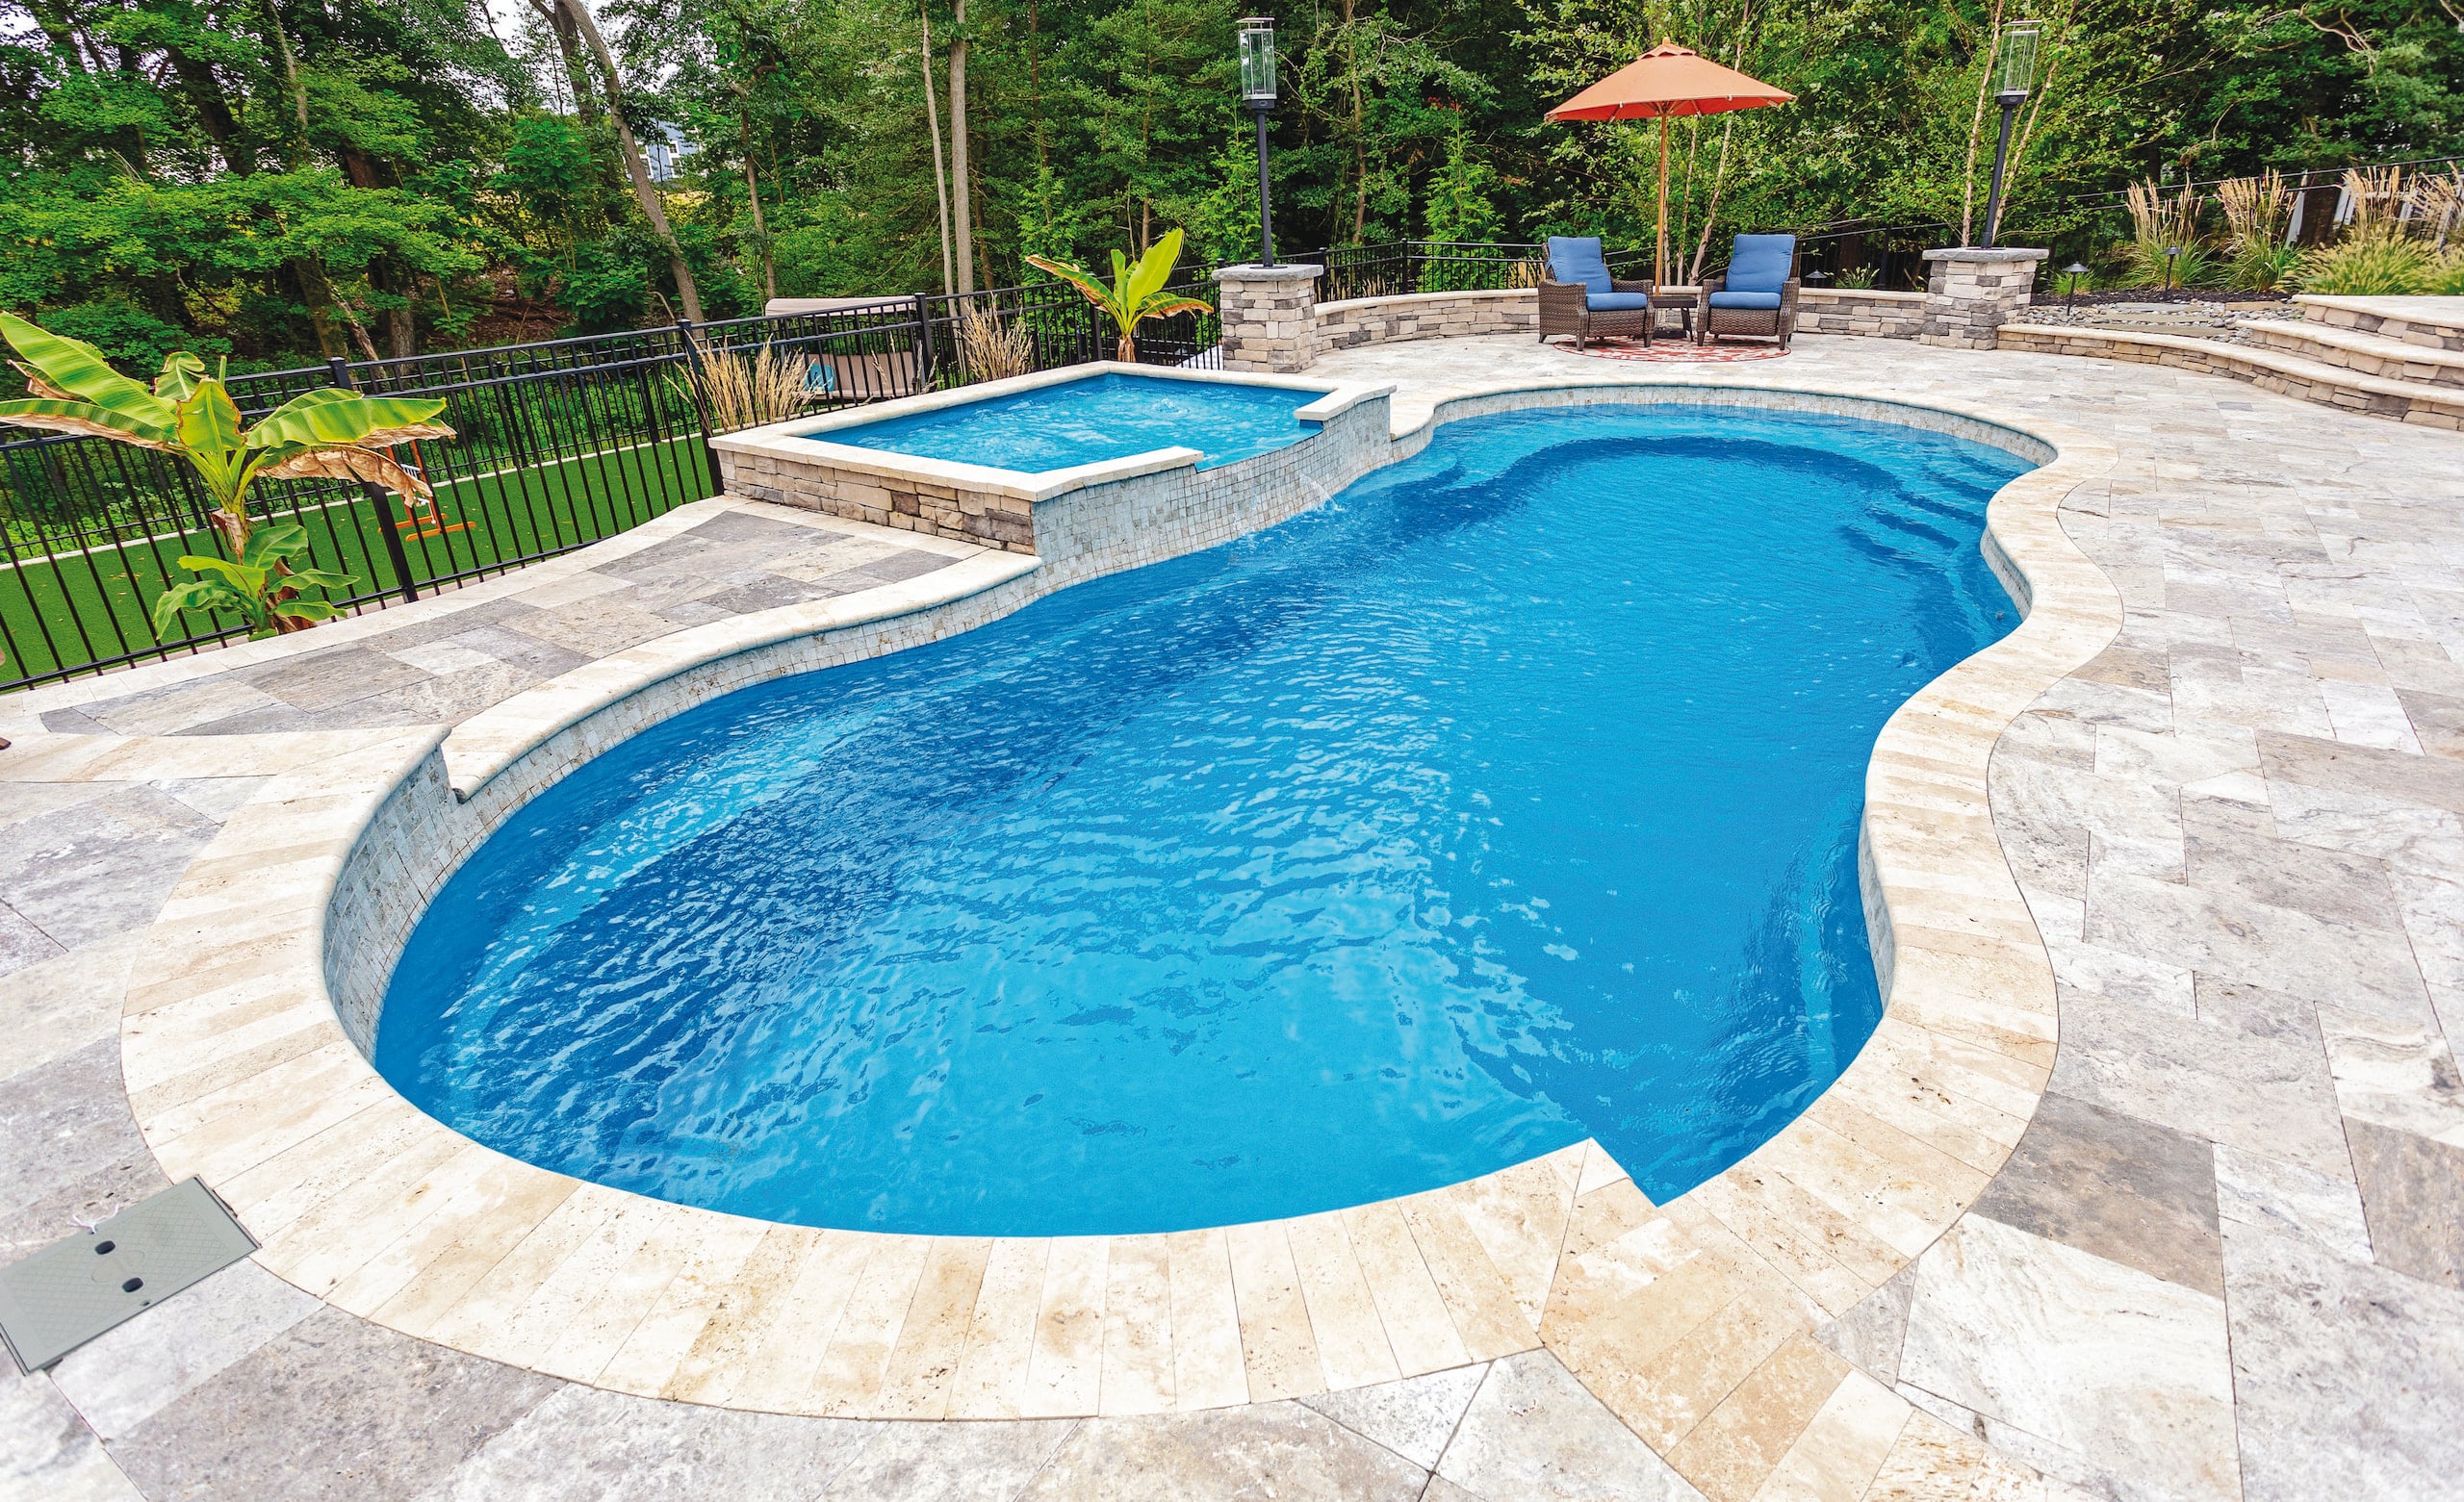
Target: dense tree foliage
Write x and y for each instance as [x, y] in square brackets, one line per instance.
[275, 179]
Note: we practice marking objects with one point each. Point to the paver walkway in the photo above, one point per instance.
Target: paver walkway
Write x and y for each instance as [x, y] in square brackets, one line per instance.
[2227, 1260]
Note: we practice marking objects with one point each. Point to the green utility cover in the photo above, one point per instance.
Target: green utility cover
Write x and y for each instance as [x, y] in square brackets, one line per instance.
[72, 1291]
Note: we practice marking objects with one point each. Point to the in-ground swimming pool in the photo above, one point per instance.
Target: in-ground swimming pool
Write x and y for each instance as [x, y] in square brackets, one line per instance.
[1509, 799]
[1096, 417]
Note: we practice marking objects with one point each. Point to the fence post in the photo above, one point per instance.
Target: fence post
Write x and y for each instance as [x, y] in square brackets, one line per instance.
[382, 497]
[924, 361]
[695, 377]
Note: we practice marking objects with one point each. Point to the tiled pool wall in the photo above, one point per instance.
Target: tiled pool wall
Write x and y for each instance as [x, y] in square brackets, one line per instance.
[421, 833]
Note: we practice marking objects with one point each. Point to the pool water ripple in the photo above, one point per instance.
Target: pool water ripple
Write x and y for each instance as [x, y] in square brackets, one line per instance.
[1510, 799]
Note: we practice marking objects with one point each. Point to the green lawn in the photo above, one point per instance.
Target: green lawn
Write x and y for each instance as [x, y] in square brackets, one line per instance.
[73, 609]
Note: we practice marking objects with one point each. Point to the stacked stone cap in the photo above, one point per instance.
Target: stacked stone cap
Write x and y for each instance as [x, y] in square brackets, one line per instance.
[1270, 316]
[1971, 292]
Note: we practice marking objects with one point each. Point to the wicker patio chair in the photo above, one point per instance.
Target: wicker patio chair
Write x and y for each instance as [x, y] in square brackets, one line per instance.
[1756, 296]
[1580, 298]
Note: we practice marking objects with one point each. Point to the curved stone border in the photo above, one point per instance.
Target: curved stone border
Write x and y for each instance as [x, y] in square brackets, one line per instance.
[1690, 1320]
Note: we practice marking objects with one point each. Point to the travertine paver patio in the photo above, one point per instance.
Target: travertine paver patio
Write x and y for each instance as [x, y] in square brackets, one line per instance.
[2226, 1260]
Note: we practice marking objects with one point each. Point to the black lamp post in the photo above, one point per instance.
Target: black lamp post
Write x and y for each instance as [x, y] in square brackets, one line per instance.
[2014, 73]
[1257, 92]
[2075, 271]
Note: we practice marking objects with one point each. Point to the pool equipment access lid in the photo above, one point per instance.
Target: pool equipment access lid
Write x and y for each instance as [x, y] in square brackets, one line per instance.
[72, 1291]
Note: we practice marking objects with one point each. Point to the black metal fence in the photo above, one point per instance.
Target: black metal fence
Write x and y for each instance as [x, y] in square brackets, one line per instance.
[560, 444]
[556, 446]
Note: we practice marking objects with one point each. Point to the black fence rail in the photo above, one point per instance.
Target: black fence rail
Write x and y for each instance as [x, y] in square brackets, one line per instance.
[556, 444]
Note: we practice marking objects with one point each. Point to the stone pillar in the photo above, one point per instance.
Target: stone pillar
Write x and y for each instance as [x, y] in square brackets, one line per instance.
[1270, 316]
[1969, 292]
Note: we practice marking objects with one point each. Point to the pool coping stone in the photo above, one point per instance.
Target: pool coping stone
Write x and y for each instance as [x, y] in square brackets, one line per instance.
[1692, 1320]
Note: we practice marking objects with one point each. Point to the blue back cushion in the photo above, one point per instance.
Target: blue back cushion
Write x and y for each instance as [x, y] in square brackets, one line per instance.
[1579, 261]
[1759, 263]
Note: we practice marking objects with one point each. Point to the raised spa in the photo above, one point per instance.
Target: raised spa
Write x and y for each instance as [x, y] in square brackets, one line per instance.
[1092, 418]
[1508, 799]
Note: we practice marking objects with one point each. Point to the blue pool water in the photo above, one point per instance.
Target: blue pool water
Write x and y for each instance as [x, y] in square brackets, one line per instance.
[1097, 418]
[1509, 799]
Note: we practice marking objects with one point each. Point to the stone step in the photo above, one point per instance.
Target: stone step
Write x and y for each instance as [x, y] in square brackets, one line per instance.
[2270, 369]
[2433, 323]
[2370, 354]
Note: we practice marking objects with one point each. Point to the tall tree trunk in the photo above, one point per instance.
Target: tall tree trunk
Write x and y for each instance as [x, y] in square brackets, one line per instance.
[213, 110]
[568, 35]
[964, 226]
[291, 81]
[761, 231]
[645, 193]
[933, 127]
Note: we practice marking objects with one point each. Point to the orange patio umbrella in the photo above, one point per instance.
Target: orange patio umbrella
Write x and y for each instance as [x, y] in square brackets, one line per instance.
[1664, 84]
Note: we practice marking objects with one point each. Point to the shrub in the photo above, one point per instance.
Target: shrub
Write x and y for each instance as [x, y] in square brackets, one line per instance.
[2446, 275]
[2367, 263]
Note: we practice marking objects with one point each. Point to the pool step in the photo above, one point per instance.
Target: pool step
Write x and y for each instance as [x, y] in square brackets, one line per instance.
[2432, 322]
[2370, 354]
[2270, 370]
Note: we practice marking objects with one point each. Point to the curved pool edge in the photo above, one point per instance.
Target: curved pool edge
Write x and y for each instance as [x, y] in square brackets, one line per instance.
[240, 1065]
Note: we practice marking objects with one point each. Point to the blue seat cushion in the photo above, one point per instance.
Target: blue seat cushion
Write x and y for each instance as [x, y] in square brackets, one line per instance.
[1760, 262]
[1766, 301]
[1578, 261]
[1619, 302]
[821, 379]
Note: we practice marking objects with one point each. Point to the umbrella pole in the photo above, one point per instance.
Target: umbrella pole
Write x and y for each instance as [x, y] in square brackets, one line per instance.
[1659, 253]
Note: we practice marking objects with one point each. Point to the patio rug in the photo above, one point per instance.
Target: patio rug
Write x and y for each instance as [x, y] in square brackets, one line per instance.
[1681, 351]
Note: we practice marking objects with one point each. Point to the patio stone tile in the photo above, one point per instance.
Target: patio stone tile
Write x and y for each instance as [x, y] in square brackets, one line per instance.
[2234, 938]
[73, 721]
[2433, 781]
[530, 653]
[2127, 1189]
[2349, 1377]
[103, 867]
[127, 1375]
[2232, 852]
[78, 1148]
[952, 1462]
[768, 592]
[2247, 1071]
[54, 1007]
[448, 698]
[172, 709]
[334, 1408]
[325, 679]
[2394, 1073]
[585, 1444]
[215, 797]
[2125, 1371]
[451, 624]
[2412, 1193]
[593, 629]
[2259, 1190]
[22, 944]
[1297, 1455]
[46, 1452]
[2437, 719]
[1872, 1336]
[1533, 1433]
[1414, 1417]
[2407, 836]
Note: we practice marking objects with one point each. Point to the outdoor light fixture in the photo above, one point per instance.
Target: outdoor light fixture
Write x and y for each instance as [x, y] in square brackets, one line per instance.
[2014, 75]
[2075, 271]
[2170, 252]
[1257, 93]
